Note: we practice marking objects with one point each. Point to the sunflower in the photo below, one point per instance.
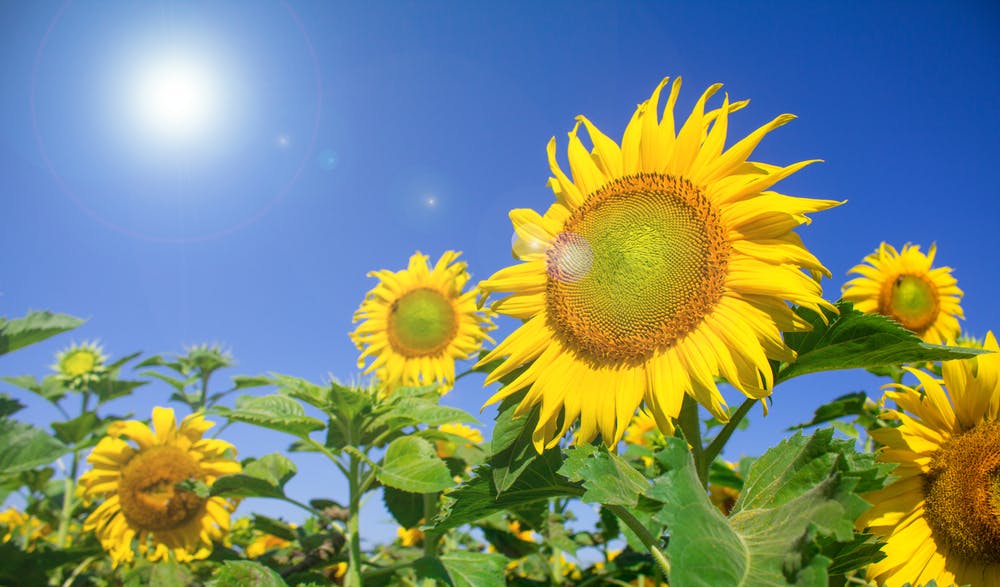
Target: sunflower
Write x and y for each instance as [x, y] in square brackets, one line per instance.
[905, 287]
[410, 536]
[24, 529]
[939, 517]
[662, 264]
[142, 486]
[80, 365]
[417, 322]
[264, 543]
[446, 448]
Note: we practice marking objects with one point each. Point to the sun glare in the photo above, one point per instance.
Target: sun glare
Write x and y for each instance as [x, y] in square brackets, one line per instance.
[176, 98]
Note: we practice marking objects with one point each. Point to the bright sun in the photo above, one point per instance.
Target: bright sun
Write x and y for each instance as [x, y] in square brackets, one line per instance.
[176, 99]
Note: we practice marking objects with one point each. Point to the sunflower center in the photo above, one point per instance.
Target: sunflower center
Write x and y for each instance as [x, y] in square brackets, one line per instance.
[148, 492]
[912, 301]
[635, 269]
[78, 363]
[962, 493]
[421, 322]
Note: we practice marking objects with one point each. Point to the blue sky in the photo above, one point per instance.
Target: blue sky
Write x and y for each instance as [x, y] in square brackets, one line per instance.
[346, 136]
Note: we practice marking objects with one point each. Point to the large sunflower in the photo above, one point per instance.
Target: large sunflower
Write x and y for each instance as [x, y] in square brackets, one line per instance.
[662, 264]
[939, 517]
[140, 473]
[417, 322]
[905, 287]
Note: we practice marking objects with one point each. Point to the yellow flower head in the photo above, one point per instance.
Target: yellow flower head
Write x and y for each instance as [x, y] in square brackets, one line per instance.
[20, 526]
[939, 518]
[446, 448]
[525, 534]
[415, 323]
[265, 543]
[81, 364]
[410, 536]
[906, 287]
[140, 475]
[643, 429]
[664, 262]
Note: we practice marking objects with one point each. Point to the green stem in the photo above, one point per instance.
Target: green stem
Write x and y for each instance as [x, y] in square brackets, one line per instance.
[431, 539]
[691, 427]
[69, 484]
[715, 447]
[304, 506]
[320, 448]
[354, 578]
[651, 542]
[204, 391]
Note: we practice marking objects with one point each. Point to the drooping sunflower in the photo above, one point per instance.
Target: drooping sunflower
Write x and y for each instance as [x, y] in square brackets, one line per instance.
[906, 287]
[663, 263]
[139, 474]
[939, 518]
[415, 323]
[80, 364]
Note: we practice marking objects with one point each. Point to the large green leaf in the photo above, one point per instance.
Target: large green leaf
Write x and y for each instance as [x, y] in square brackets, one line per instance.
[35, 327]
[411, 464]
[475, 569]
[50, 388]
[479, 497]
[264, 477]
[851, 404]
[75, 430]
[277, 412]
[853, 340]
[407, 508]
[511, 444]
[242, 573]
[606, 478]
[109, 389]
[9, 405]
[798, 491]
[24, 447]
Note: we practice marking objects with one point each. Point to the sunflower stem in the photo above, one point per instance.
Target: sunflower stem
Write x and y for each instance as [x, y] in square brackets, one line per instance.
[69, 483]
[651, 542]
[715, 447]
[431, 538]
[691, 427]
[353, 578]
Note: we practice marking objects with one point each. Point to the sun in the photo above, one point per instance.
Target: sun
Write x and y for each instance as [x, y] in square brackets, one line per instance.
[175, 97]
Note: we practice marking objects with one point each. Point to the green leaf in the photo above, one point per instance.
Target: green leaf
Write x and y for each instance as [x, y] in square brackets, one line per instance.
[274, 527]
[264, 477]
[407, 508]
[75, 430]
[50, 388]
[109, 389]
[248, 381]
[851, 404]
[242, 573]
[167, 573]
[9, 405]
[277, 412]
[411, 464]
[314, 395]
[475, 569]
[605, 477]
[798, 490]
[177, 384]
[24, 447]
[853, 340]
[479, 497]
[513, 451]
[35, 327]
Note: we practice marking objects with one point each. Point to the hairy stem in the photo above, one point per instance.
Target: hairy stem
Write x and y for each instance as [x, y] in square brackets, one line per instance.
[651, 542]
[719, 442]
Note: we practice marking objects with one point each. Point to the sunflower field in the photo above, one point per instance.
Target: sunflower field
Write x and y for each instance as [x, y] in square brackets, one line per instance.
[665, 271]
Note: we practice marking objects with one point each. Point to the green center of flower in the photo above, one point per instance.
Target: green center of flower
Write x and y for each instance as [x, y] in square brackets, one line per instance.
[911, 301]
[421, 322]
[148, 492]
[962, 493]
[635, 268]
[79, 362]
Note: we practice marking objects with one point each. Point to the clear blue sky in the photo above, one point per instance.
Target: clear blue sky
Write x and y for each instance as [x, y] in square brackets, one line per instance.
[348, 135]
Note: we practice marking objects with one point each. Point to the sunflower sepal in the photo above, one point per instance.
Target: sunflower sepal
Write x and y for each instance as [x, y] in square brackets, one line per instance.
[850, 339]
